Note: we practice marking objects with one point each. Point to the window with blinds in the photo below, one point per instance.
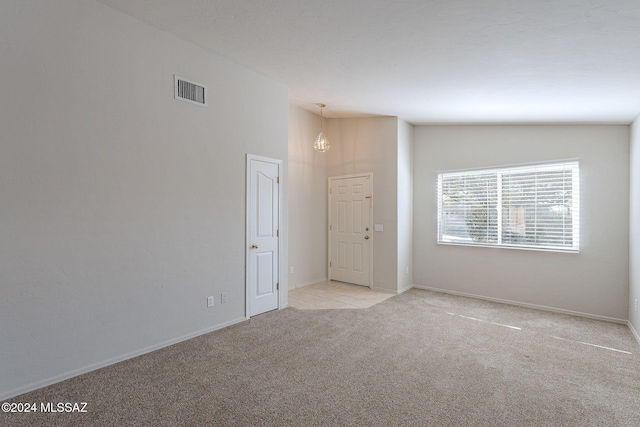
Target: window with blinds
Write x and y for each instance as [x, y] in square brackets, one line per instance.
[530, 206]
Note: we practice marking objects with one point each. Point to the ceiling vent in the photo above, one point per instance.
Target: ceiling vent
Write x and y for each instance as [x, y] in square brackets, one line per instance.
[189, 91]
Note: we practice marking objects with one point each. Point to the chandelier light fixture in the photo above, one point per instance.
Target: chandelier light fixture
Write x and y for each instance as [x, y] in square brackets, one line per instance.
[321, 144]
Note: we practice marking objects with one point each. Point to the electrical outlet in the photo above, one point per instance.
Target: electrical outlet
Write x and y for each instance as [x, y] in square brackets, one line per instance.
[223, 298]
[290, 270]
[635, 306]
[407, 270]
[210, 301]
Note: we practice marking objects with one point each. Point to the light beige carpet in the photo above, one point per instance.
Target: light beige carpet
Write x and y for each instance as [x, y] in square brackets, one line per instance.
[417, 359]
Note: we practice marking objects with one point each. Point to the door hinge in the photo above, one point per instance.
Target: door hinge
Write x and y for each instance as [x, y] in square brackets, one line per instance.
[330, 227]
[278, 286]
[329, 263]
[278, 180]
[277, 233]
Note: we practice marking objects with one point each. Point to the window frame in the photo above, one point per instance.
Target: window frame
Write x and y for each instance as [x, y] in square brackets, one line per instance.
[572, 165]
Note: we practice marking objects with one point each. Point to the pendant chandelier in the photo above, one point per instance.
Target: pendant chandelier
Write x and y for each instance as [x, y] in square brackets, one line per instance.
[321, 144]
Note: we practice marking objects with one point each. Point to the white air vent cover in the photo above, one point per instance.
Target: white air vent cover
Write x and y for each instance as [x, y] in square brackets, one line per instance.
[189, 91]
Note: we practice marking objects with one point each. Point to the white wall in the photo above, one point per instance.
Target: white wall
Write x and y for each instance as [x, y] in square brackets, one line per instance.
[307, 200]
[634, 232]
[405, 205]
[594, 282]
[361, 145]
[122, 209]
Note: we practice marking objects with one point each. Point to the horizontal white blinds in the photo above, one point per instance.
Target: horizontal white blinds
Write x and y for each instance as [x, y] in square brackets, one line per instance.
[532, 206]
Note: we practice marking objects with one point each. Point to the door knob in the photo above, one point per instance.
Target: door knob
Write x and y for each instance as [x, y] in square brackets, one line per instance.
[366, 237]
[254, 246]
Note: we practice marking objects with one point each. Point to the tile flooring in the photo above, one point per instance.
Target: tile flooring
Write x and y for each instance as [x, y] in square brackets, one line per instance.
[331, 294]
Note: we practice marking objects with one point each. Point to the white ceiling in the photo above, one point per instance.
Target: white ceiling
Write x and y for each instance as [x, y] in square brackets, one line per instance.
[427, 61]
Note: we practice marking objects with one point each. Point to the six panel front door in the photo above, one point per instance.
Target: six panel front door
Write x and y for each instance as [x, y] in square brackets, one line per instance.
[350, 229]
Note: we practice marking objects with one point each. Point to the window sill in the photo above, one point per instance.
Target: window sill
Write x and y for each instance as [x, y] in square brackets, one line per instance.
[522, 248]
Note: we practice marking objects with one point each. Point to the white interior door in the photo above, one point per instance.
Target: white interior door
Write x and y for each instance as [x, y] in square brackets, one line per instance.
[263, 218]
[350, 223]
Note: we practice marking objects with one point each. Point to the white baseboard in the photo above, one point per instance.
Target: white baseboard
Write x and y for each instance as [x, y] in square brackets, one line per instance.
[634, 332]
[523, 304]
[67, 375]
[403, 290]
[373, 288]
[302, 285]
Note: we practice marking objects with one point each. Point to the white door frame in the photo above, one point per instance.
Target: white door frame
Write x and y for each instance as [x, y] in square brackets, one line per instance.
[330, 181]
[249, 158]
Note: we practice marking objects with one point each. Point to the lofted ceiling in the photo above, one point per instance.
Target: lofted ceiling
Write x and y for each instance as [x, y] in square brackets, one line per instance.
[427, 61]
